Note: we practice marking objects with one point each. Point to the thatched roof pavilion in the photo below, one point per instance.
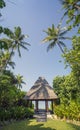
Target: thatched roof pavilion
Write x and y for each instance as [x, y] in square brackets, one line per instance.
[41, 91]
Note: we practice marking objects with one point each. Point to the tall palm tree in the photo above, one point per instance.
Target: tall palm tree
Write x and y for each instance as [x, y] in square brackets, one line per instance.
[56, 37]
[14, 41]
[18, 40]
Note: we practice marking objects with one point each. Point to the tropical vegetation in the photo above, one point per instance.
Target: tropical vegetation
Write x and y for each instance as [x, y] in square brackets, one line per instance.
[68, 87]
[12, 103]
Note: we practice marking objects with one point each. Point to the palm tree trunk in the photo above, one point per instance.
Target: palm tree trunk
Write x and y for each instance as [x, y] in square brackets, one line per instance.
[8, 59]
[77, 6]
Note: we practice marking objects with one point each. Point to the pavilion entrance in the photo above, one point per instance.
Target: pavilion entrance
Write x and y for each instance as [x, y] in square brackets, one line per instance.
[41, 105]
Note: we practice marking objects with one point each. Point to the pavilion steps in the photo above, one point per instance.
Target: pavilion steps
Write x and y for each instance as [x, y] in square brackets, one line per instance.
[41, 116]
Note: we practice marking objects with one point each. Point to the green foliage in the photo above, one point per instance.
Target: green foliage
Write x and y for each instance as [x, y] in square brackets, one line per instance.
[66, 88]
[68, 91]
[4, 114]
[18, 113]
[8, 89]
[2, 4]
[72, 10]
[71, 111]
[12, 103]
[56, 84]
[72, 58]
[10, 93]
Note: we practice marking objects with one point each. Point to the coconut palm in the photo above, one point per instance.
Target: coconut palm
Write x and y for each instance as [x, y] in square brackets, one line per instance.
[14, 41]
[18, 40]
[71, 4]
[19, 81]
[56, 37]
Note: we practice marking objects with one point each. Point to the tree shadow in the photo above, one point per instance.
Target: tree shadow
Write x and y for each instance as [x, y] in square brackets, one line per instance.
[76, 127]
[38, 126]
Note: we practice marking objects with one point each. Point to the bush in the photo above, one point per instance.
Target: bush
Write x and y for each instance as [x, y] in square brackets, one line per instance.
[18, 113]
[72, 111]
[21, 112]
[29, 112]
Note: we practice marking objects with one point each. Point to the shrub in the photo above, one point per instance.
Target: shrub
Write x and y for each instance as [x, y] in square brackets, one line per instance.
[4, 114]
[72, 111]
[18, 113]
[21, 112]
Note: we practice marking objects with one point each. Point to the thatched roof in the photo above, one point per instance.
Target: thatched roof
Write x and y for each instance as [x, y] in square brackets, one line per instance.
[41, 90]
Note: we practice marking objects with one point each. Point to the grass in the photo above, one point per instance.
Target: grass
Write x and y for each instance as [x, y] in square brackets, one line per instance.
[33, 125]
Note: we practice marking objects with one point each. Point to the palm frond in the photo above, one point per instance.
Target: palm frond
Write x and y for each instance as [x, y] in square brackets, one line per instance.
[51, 45]
[5, 43]
[52, 27]
[24, 47]
[62, 43]
[19, 51]
[11, 54]
[12, 64]
[45, 31]
[65, 38]
[17, 32]
[47, 39]
[63, 33]
[26, 43]
[8, 32]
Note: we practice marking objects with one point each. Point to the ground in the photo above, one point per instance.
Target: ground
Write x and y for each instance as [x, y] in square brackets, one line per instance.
[33, 125]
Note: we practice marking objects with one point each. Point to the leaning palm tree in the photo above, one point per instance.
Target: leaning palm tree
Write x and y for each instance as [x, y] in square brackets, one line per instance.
[14, 40]
[56, 37]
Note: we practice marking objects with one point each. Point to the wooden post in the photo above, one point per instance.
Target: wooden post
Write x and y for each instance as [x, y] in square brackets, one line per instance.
[31, 104]
[27, 103]
[52, 106]
[46, 105]
[36, 106]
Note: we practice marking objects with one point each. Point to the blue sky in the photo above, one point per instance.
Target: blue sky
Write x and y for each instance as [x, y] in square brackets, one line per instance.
[34, 16]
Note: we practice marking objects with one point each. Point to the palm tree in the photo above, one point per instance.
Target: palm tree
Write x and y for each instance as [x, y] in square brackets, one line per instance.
[56, 37]
[19, 81]
[71, 4]
[18, 40]
[14, 41]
